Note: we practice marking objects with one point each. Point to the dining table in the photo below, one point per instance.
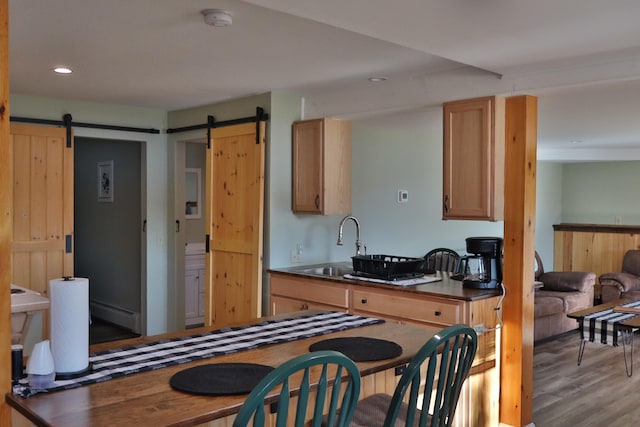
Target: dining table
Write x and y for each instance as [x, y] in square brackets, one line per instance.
[146, 398]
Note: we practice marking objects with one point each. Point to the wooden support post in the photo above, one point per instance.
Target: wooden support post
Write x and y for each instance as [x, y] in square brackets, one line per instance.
[5, 218]
[516, 384]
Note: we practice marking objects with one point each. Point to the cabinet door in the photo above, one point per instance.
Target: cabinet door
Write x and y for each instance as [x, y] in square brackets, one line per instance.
[308, 162]
[191, 282]
[201, 290]
[322, 166]
[473, 159]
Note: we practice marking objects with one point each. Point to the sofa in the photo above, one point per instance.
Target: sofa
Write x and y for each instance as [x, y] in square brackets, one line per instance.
[625, 283]
[561, 292]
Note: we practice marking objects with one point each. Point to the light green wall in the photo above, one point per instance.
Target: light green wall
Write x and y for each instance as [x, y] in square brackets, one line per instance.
[601, 193]
[404, 151]
[548, 208]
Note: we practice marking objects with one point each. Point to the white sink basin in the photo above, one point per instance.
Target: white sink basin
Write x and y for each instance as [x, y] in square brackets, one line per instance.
[23, 300]
[25, 303]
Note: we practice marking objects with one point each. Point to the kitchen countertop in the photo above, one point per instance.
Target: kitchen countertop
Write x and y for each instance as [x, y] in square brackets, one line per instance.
[445, 287]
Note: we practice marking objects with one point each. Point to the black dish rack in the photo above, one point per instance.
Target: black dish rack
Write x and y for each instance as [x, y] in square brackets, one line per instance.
[387, 267]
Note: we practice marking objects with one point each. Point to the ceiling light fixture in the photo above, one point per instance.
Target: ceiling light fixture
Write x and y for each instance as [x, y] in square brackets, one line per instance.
[217, 17]
[63, 70]
[377, 79]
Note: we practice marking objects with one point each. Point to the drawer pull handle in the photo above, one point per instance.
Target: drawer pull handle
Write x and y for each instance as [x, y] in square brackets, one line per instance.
[305, 307]
[438, 313]
[364, 300]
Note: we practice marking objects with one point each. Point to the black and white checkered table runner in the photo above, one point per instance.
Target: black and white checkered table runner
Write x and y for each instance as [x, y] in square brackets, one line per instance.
[124, 361]
[602, 326]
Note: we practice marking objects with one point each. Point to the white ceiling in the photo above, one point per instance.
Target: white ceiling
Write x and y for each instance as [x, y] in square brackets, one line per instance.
[580, 57]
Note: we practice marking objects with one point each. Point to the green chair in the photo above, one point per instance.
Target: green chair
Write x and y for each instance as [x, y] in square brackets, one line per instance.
[447, 358]
[441, 259]
[333, 373]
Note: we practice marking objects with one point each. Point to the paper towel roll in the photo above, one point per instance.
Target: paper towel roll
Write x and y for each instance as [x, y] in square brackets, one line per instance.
[69, 310]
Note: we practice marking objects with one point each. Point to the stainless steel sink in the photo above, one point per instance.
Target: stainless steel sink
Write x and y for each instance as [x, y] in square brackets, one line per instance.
[333, 271]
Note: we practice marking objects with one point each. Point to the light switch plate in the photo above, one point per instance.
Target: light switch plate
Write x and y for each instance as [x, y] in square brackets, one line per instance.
[403, 196]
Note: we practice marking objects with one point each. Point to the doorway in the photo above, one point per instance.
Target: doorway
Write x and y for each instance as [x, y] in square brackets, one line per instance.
[190, 231]
[109, 228]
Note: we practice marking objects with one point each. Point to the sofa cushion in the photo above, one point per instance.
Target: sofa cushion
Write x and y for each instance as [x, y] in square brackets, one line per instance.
[553, 302]
[634, 295]
[568, 281]
[546, 305]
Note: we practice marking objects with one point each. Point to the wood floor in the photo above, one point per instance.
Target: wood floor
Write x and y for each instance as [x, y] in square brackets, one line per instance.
[597, 393]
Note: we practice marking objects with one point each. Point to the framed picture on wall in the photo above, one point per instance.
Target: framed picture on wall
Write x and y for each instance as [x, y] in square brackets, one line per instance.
[105, 181]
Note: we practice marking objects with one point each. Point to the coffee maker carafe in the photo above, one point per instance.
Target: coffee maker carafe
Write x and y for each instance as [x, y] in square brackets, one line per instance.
[483, 268]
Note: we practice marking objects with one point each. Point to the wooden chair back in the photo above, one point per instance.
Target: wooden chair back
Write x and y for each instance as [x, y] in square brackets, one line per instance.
[337, 378]
[442, 259]
[447, 357]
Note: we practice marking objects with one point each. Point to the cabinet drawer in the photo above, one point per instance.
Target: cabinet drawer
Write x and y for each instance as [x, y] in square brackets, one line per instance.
[319, 291]
[281, 305]
[441, 312]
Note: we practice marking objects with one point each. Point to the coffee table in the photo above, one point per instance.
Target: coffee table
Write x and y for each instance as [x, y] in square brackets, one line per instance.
[601, 323]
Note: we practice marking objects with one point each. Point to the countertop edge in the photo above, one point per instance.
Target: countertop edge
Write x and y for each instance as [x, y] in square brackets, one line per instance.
[442, 289]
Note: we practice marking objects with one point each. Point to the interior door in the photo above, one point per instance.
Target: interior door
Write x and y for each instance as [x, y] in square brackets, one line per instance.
[42, 202]
[234, 222]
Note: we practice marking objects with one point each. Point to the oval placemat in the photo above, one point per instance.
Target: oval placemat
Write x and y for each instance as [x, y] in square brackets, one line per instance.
[218, 379]
[360, 349]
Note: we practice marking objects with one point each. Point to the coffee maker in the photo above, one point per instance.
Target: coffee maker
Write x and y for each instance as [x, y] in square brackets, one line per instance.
[483, 268]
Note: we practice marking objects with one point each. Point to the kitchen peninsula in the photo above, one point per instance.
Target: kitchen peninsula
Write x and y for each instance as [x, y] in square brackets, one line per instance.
[147, 399]
[436, 304]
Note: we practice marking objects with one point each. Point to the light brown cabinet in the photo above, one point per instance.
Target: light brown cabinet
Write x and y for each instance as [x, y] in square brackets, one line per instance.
[321, 166]
[473, 159]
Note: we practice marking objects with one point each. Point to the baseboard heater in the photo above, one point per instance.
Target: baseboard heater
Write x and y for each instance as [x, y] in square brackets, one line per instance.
[116, 315]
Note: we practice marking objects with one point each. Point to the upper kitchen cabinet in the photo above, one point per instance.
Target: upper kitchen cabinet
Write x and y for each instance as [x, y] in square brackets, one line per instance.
[322, 166]
[473, 159]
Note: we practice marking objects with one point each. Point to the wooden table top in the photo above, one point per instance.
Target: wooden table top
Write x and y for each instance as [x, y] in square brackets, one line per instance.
[147, 399]
[634, 322]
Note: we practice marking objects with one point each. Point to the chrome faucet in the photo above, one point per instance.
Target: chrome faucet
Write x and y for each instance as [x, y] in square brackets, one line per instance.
[358, 242]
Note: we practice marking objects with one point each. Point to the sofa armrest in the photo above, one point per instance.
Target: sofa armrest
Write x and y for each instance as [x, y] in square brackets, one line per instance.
[568, 281]
[625, 282]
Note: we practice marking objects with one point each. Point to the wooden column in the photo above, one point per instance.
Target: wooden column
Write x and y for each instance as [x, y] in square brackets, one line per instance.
[5, 218]
[516, 383]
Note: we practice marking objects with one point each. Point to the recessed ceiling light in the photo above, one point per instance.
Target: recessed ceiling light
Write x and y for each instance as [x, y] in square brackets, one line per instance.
[576, 141]
[377, 79]
[63, 70]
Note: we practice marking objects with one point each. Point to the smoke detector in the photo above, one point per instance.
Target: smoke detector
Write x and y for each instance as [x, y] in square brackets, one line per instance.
[217, 17]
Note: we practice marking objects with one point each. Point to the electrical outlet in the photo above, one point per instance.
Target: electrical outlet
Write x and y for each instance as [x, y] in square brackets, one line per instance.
[296, 253]
[479, 328]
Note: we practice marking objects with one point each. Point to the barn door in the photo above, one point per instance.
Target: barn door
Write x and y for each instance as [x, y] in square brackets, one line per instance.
[42, 205]
[234, 211]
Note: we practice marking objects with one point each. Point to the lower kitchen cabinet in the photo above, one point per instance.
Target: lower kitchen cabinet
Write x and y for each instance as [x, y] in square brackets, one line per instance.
[479, 398]
[194, 276]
